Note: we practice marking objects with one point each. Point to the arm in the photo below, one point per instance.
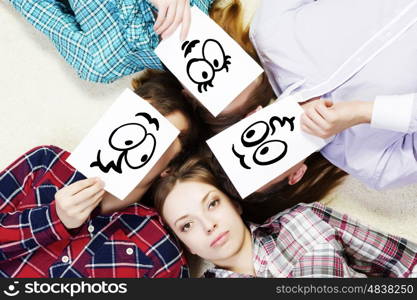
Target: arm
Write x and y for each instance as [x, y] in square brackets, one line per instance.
[32, 215]
[396, 112]
[369, 251]
[57, 22]
[23, 230]
[90, 38]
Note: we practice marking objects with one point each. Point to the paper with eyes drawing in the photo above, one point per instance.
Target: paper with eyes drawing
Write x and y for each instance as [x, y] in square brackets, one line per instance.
[209, 63]
[124, 145]
[263, 146]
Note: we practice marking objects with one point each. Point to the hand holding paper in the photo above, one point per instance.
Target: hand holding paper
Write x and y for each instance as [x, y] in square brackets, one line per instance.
[124, 145]
[209, 63]
[264, 145]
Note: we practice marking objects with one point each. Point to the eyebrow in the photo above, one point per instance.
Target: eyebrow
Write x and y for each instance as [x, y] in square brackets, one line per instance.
[202, 201]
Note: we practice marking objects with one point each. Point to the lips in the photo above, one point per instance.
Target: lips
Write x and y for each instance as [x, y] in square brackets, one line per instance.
[220, 240]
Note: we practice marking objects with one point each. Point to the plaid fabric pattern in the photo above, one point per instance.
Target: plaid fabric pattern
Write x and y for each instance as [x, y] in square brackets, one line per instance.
[316, 241]
[34, 242]
[102, 40]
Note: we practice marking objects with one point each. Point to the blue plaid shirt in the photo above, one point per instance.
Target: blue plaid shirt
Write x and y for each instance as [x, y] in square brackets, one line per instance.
[102, 39]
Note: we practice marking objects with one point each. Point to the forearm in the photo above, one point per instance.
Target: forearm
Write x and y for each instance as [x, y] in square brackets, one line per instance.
[28, 219]
[362, 111]
[367, 250]
[45, 15]
[25, 231]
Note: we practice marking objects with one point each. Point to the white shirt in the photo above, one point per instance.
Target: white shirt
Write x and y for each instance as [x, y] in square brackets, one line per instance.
[350, 50]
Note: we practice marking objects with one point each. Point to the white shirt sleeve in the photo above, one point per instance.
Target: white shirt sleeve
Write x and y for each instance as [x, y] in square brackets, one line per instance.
[395, 112]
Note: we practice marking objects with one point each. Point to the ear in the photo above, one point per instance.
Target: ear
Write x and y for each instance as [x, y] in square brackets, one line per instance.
[165, 172]
[258, 108]
[296, 176]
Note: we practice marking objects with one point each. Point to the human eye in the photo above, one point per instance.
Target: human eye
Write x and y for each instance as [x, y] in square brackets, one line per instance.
[213, 203]
[186, 227]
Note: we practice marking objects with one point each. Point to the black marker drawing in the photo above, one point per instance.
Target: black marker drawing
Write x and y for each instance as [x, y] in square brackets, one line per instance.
[136, 144]
[201, 70]
[267, 152]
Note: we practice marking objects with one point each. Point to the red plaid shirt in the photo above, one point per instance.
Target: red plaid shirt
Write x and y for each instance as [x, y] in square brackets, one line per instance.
[34, 242]
[315, 241]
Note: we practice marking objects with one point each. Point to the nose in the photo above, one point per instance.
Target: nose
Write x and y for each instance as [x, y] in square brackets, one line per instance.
[210, 226]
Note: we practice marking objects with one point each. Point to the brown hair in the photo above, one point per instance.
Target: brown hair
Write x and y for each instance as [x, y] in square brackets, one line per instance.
[320, 179]
[164, 92]
[321, 176]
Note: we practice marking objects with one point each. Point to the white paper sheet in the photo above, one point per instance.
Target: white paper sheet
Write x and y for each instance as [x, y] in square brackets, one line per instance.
[209, 63]
[263, 146]
[124, 144]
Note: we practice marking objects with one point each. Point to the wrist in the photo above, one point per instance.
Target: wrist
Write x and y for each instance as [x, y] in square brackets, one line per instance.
[365, 109]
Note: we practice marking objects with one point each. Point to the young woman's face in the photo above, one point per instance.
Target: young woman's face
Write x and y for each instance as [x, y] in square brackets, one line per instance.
[205, 220]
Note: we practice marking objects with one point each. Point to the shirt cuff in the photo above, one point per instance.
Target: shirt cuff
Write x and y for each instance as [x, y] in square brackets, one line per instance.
[46, 226]
[413, 273]
[393, 112]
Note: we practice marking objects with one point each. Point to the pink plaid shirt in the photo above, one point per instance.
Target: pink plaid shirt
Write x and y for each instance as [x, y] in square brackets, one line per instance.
[316, 241]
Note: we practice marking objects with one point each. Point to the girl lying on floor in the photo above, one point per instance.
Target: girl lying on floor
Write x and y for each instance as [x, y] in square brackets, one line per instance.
[308, 240]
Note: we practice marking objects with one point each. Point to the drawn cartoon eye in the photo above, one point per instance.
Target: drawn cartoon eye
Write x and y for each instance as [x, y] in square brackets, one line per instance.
[255, 134]
[141, 155]
[213, 53]
[200, 71]
[127, 136]
[270, 152]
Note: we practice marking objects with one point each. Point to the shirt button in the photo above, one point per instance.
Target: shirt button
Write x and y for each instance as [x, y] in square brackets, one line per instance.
[129, 251]
[90, 228]
[65, 259]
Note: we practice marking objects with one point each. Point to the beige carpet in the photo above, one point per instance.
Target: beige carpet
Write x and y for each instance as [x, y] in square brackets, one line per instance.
[44, 102]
